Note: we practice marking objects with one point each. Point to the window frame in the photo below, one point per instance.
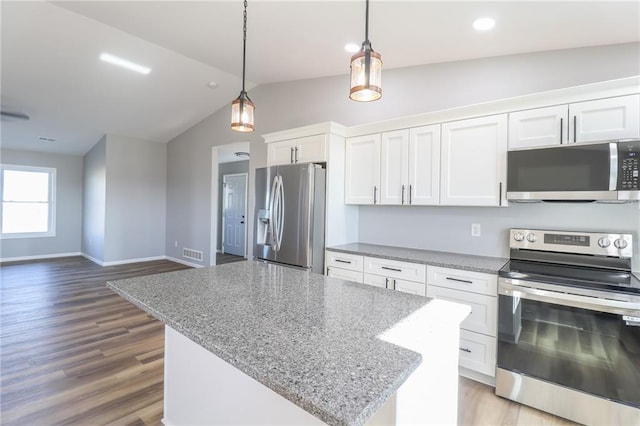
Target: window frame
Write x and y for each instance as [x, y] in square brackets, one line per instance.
[51, 171]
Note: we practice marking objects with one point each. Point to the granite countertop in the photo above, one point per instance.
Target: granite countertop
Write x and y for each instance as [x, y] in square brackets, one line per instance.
[310, 338]
[467, 262]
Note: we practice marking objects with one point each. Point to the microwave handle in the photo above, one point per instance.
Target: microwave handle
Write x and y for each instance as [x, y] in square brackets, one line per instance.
[613, 166]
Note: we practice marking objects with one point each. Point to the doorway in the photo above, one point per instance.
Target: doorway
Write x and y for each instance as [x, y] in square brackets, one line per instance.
[234, 213]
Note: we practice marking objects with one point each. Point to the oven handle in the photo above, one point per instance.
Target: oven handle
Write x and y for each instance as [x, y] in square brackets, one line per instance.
[573, 300]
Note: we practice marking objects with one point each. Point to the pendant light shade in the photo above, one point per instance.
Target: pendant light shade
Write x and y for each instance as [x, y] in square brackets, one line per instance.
[366, 70]
[242, 113]
[242, 108]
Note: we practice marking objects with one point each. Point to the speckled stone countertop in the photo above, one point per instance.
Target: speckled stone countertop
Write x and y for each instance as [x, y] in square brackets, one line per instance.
[310, 338]
[467, 262]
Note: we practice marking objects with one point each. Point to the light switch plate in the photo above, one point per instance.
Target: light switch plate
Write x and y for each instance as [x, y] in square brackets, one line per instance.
[476, 230]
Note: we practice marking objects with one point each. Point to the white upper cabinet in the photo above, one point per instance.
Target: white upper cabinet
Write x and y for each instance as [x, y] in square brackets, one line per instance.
[302, 150]
[394, 171]
[474, 161]
[538, 127]
[362, 170]
[601, 119]
[424, 165]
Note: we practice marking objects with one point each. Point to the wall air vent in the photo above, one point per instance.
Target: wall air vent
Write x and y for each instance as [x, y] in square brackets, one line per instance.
[45, 139]
[192, 254]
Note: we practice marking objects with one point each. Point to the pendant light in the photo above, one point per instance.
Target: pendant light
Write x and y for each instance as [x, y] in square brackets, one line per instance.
[242, 108]
[366, 70]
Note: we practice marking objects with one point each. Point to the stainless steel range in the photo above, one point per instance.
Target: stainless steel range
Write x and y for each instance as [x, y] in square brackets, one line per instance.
[569, 326]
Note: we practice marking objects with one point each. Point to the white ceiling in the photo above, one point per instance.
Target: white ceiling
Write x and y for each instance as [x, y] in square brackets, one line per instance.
[50, 67]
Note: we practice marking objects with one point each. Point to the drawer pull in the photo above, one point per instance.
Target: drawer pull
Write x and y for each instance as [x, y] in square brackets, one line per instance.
[343, 261]
[391, 269]
[459, 280]
[467, 350]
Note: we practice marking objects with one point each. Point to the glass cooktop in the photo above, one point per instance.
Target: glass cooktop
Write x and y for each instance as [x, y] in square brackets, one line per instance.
[582, 277]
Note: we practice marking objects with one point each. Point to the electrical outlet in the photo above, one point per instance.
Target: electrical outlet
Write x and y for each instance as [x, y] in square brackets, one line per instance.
[175, 243]
[476, 230]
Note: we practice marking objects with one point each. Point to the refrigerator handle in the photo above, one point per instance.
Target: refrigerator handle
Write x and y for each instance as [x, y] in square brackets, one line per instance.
[272, 206]
[280, 210]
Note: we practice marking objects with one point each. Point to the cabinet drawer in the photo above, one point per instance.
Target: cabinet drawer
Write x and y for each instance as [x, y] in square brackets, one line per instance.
[483, 308]
[344, 274]
[352, 262]
[376, 280]
[410, 287]
[395, 269]
[478, 352]
[476, 282]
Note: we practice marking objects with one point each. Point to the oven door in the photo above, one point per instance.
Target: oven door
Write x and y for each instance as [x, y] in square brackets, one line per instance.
[575, 340]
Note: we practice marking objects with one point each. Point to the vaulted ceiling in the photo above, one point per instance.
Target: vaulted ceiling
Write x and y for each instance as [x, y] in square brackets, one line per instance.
[51, 72]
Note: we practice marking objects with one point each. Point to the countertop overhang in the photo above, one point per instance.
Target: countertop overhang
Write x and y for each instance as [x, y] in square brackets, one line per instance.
[312, 339]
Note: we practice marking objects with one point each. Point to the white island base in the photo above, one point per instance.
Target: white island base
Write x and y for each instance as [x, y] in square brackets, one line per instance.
[202, 389]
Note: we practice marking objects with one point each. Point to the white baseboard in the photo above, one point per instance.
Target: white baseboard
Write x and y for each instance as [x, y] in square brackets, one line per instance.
[478, 377]
[184, 262]
[40, 256]
[123, 262]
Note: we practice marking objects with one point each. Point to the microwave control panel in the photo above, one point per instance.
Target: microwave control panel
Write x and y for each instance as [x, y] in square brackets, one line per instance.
[629, 166]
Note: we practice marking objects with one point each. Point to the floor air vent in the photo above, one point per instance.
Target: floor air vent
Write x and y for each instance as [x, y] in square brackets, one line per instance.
[191, 254]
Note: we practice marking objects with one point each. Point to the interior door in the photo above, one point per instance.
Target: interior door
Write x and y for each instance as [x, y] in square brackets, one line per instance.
[234, 214]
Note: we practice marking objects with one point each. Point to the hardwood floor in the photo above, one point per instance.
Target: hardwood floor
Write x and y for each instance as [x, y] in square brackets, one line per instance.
[222, 258]
[73, 352]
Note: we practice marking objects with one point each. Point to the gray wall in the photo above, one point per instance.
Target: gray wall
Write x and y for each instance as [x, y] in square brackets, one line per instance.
[124, 200]
[135, 200]
[68, 206]
[94, 200]
[407, 91]
[227, 169]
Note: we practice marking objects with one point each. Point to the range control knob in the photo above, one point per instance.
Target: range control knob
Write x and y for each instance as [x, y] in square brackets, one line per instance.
[620, 243]
[518, 236]
[532, 238]
[604, 242]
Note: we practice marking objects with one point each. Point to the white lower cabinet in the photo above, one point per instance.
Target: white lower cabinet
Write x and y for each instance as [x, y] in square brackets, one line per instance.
[395, 275]
[344, 265]
[478, 352]
[479, 330]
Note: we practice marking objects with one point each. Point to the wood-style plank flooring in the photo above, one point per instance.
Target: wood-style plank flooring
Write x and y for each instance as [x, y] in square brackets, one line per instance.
[73, 352]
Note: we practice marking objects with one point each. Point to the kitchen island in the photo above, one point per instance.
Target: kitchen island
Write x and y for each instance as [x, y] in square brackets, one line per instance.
[256, 343]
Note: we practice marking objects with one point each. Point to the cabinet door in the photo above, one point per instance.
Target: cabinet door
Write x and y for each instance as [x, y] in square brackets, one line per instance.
[539, 127]
[395, 269]
[394, 173]
[344, 274]
[484, 309]
[603, 119]
[474, 161]
[362, 170]
[424, 166]
[310, 149]
[280, 153]
[349, 261]
[478, 352]
[376, 280]
[410, 287]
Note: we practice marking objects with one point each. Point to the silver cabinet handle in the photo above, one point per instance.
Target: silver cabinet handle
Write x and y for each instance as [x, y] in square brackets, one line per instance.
[500, 193]
[467, 350]
[343, 261]
[296, 156]
[391, 269]
[410, 188]
[327, 270]
[575, 127]
[561, 128]
[459, 280]
[375, 193]
[394, 284]
[402, 194]
[386, 283]
[291, 155]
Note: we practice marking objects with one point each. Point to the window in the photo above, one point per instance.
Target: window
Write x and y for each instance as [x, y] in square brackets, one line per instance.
[28, 201]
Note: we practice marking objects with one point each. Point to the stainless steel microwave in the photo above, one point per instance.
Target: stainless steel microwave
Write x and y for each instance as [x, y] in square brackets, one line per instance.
[596, 171]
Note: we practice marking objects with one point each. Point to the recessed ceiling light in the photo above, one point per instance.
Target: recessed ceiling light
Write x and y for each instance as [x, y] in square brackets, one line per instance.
[484, 24]
[352, 47]
[212, 85]
[106, 57]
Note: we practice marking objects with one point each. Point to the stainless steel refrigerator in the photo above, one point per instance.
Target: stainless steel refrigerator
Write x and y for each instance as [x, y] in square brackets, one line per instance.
[290, 211]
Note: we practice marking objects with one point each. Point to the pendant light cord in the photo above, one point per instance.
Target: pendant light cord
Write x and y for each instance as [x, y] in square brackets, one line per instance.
[244, 44]
[366, 22]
